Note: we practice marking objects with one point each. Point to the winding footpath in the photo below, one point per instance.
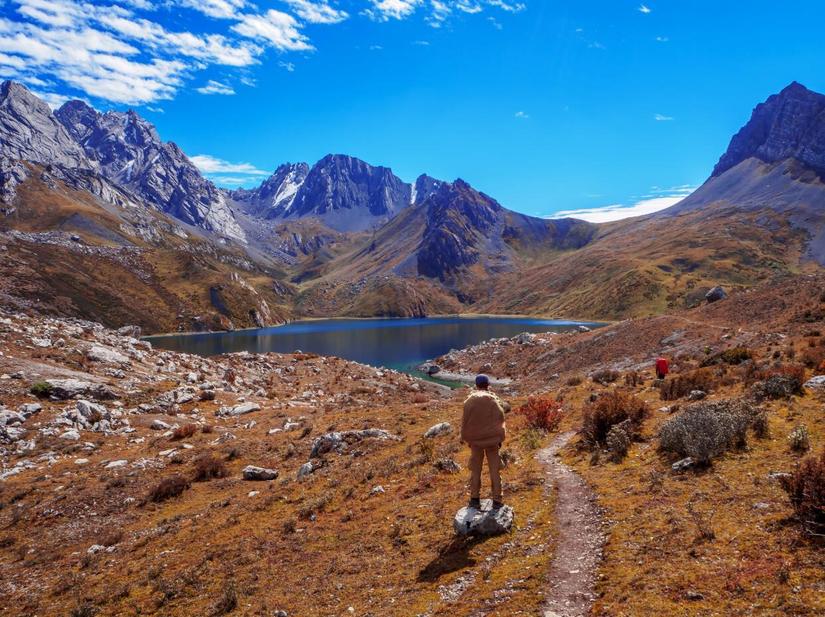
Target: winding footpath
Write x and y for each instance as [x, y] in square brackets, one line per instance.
[578, 552]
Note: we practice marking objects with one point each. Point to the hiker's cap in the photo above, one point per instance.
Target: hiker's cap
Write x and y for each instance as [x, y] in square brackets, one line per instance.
[482, 380]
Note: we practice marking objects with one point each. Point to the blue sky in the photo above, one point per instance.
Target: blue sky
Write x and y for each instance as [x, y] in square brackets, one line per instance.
[547, 106]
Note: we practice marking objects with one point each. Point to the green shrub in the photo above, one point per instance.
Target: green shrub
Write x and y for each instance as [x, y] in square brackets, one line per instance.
[41, 389]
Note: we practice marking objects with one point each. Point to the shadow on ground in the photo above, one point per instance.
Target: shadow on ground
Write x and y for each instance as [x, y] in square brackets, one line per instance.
[453, 556]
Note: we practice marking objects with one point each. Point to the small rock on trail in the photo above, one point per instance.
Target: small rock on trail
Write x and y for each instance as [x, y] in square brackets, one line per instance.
[572, 576]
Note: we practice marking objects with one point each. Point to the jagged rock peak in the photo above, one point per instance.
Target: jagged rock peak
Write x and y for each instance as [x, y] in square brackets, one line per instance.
[131, 153]
[274, 197]
[788, 125]
[30, 131]
[349, 194]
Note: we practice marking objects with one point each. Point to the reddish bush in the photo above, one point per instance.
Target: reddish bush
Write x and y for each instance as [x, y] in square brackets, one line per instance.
[208, 467]
[704, 379]
[542, 412]
[168, 488]
[806, 490]
[610, 409]
[185, 431]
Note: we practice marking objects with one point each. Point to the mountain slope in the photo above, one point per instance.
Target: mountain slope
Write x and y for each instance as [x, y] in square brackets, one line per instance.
[775, 162]
[130, 153]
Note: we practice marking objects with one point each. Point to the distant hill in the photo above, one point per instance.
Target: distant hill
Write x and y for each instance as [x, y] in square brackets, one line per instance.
[343, 237]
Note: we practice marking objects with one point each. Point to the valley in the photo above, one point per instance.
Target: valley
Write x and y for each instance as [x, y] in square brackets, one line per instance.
[232, 476]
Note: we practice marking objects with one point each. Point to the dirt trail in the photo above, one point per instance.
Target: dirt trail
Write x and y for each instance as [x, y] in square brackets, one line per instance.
[580, 541]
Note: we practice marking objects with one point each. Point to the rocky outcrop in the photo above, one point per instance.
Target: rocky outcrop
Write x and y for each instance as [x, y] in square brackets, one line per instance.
[129, 152]
[274, 198]
[30, 132]
[348, 194]
[788, 125]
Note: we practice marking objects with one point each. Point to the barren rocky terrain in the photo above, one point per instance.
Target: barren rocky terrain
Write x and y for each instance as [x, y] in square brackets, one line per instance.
[142, 481]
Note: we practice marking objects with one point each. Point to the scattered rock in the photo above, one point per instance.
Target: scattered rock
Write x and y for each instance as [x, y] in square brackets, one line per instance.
[71, 434]
[683, 465]
[377, 490]
[716, 294]
[447, 465]
[251, 472]
[483, 522]
[64, 389]
[160, 425]
[239, 410]
[696, 395]
[816, 382]
[442, 428]
[338, 441]
[130, 331]
[308, 469]
[116, 464]
[99, 353]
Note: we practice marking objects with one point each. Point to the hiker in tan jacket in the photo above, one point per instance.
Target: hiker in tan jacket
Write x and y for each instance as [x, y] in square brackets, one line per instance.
[482, 428]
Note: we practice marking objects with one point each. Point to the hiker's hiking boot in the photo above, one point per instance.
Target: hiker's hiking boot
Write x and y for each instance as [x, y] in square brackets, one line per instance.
[475, 502]
[497, 505]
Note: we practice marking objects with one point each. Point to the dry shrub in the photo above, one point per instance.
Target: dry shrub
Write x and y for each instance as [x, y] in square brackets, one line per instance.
[315, 505]
[605, 376]
[733, 356]
[806, 490]
[173, 486]
[812, 357]
[705, 430]
[799, 439]
[542, 412]
[573, 381]
[610, 409]
[673, 388]
[207, 428]
[185, 431]
[207, 467]
[618, 440]
[633, 379]
[112, 537]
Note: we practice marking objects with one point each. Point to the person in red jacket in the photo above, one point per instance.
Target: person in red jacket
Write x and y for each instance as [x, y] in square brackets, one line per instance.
[662, 368]
[483, 429]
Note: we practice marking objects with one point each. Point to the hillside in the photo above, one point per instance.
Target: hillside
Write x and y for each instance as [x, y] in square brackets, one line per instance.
[159, 519]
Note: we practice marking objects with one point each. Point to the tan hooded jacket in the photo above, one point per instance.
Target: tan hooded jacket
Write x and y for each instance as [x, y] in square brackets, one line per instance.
[482, 425]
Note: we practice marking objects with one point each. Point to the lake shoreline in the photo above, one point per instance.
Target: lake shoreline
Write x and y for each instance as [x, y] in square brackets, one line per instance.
[563, 320]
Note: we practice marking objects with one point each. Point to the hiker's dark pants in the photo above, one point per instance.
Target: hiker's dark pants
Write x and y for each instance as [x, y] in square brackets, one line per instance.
[477, 456]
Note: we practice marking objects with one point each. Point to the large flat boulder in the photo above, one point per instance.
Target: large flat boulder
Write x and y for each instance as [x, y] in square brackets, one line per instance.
[485, 521]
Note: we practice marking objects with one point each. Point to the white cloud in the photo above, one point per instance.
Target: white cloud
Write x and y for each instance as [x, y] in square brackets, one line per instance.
[216, 87]
[317, 12]
[662, 118]
[53, 100]
[645, 9]
[662, 39]
[278, 29]
[287, 66]
[616, 212]
[118, 54]
[522, 115]
[219, 9]
[212, 165]
[384, 10]
[441, 10]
